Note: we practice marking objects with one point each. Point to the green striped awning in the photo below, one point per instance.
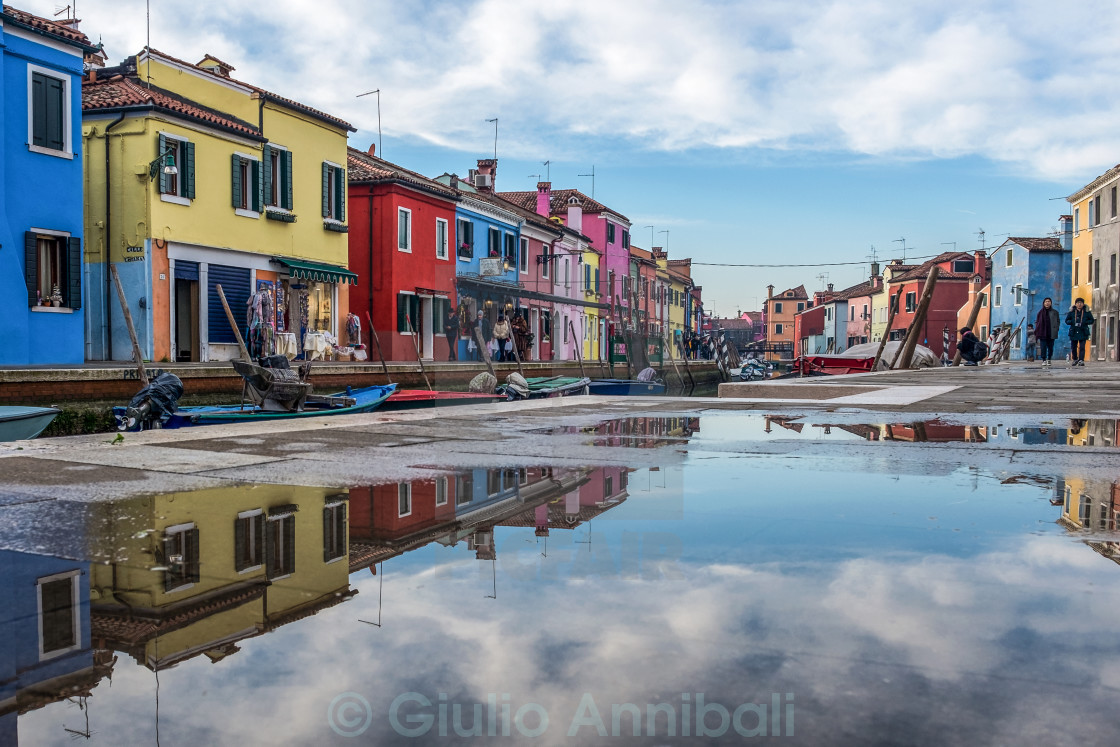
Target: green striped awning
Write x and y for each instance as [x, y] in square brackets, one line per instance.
[318, 271]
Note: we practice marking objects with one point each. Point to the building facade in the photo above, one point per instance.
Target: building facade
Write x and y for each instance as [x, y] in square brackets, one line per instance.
[1026, 271]
[1096, 227]
[781, 310]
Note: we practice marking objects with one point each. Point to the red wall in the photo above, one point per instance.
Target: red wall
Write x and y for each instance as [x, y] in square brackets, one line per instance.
[374, 512]
[383, 270]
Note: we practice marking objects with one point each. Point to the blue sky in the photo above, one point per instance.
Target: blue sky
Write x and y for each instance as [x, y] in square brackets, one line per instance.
[760, 132]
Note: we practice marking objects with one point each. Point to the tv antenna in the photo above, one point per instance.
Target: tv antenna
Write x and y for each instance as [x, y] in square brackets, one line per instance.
[823, 277]
[980, 233]
[666, 232]
[547, 170]
[651, 239]
[903, 241]
[380, 154]
[495, 121]
[874, 255]
[592, 175]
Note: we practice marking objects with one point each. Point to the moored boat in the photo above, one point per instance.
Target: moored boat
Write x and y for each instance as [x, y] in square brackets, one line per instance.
[542, 387]
[626, 387]
[20, 423]
[414, 399]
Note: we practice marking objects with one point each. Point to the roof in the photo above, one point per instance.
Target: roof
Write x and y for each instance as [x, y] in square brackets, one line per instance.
[922, 271]
[865, 288]
[640, 253]
[266, 95]
[53, 29]
[364, 168]
[1100, 181]
[798, 293]
[1047, 244]
[120, 93]
[734, 323]
[559, 205]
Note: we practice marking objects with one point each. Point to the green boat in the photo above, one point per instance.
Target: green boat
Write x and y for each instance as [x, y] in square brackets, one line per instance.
[542, 387]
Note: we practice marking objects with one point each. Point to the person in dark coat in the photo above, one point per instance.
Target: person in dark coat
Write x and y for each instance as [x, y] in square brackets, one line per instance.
[1079, 319]
[451, 332]
[970, 347]
[1046, 326]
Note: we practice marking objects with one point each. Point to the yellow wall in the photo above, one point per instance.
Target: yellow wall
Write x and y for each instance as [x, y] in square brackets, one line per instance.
[1082, 257]
[591, 337]
[879, 314]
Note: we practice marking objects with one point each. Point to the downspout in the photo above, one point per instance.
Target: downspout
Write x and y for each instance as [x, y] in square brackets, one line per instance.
[108, 313]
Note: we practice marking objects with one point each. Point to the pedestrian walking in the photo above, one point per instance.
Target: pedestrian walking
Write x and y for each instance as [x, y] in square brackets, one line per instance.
[1032, 343]
[1046, 326]
[502, 334]
[451, 332]
[1079, 319]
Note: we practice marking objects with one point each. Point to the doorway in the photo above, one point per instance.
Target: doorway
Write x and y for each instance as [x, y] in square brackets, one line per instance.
[535, 328]
[426, 326]
[187, 347]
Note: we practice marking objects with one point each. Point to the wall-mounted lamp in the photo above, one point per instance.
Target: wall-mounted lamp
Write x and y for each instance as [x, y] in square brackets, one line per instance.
[169, 168]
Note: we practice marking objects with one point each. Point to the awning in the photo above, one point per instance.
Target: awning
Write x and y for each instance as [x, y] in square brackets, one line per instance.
[516, 291]
[318, 271]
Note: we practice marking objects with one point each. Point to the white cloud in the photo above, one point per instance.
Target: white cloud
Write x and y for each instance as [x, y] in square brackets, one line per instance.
[1021, 83]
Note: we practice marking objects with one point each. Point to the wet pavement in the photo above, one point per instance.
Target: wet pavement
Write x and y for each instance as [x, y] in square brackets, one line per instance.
[566, 572]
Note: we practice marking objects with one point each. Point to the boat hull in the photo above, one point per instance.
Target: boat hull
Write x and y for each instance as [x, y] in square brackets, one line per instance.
[626, 387]
[416, 399]
[367, 399]
[21, 423]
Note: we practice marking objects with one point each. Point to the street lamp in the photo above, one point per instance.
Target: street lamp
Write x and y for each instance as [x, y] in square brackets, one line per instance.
[169, 168]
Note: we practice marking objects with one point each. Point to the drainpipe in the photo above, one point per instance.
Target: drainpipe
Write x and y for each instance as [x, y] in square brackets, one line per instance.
[108, 312]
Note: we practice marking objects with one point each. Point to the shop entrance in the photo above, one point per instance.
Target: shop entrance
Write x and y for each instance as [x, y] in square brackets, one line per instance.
[425, 326]
[187, 338]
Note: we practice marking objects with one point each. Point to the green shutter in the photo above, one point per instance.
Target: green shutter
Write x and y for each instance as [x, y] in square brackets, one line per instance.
[340, 194]
[38, 110]
[286, 168]
[596, 279]
[186, 169]
[74, 273]
[161, 146]
[193, 557]
[269, 177]
[235, 160]
[401, 324]
[239, 563]
[289, 527]
[31, 267]
[257, 186]
[56, 114]
[326, 190]
[326, 535]
[171, 575]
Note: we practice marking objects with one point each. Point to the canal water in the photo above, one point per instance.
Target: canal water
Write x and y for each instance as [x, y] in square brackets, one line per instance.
[883, 583]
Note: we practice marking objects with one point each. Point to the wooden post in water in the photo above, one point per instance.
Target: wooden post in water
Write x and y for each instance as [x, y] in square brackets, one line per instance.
[973, 315]
[137, 356]
[233, 323]
[579, 344]
[666, 345]
[516, 354]
[919, 318]
[416, 345]
[892, 304]
[483, 352]
[377, 344]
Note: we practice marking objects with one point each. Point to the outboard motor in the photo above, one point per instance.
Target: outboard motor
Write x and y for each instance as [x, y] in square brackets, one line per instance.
[517, 387]
[152, 405]
[647, 375]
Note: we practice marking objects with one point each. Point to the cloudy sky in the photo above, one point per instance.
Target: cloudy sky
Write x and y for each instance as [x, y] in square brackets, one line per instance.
[753, 132]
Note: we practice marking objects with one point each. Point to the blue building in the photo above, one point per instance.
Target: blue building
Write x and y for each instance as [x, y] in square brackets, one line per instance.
[1026, 271]
[41, 288]
[487, 237]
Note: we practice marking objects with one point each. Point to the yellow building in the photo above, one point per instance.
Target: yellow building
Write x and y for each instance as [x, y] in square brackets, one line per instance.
[1096, 231]
[193, 573]
[680, 282]
[594, 331]
[193, 180]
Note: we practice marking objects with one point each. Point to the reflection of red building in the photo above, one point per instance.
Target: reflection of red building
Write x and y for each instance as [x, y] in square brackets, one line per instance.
[392, 512]
[402, 246]
[949, 295]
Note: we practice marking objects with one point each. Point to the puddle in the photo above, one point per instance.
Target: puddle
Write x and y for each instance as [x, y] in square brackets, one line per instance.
[827, 605]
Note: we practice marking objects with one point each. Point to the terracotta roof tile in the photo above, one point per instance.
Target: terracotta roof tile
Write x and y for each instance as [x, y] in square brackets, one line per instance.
[362, 167]
[1047, 244]
[798, 293]
[118, 93]
[51, 28]
[559, 206]
[922, 270]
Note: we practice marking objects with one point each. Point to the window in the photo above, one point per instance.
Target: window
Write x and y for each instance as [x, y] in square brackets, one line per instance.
[280, 542]
[493, 482]
[440, 307]
[277, 177]
[408, 311]
[404, 230]
[53, 261]
[610, 232]
[246, 185]
[626, 234]
[510, 255]
[334, 529]
[1010, 259]
[1092, 214]
[997, 295]
[777, 307]
[441, 491]
[465, 238]
[49, 120]
[912, 301]
[963, 265]
[800, 305]
[464, 489]
[1096, 270]
[180, 557]
[523, 257]
[1113, 201]
[1076, 271]
[1112, 269]
[334, 194]
[1076, 220]
[565, 328]
[983, 332]
[1095, 209]
[1017, 293]
[567, 273]
[248, 541]
[59, 621]
[546, 260]
[441, 238]
[778, 329]
[177, 187]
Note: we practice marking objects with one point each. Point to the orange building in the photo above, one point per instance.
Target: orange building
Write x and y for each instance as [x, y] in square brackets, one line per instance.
[781, 311]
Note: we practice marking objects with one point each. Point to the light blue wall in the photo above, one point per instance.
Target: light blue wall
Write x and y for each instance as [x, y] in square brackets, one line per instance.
[1044, 274]
[482, 225]
[40, 191]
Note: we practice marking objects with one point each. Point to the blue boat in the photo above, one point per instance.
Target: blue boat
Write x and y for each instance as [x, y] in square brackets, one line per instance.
[18, 423]
[350, 402]
[626, 387]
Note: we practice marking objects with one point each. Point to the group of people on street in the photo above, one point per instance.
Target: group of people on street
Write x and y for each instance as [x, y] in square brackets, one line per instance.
[1041, 336]
[499, 338]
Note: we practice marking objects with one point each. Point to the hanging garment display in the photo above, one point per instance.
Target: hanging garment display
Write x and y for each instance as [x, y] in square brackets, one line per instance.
[259, 320]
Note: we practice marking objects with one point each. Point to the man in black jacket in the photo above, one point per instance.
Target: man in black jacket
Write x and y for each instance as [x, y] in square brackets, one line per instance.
[970, 347]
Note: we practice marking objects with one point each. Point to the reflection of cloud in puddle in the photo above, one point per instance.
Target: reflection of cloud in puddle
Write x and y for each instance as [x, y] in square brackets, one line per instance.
[301, 446]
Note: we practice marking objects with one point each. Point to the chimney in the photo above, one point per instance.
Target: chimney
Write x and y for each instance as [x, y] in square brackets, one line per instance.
[769, 292]
[216, 66]
[544, 198]
[575, 214]
[372, 149]
[1066, 232]
[830, 287]
[487, 174]
[874, 269]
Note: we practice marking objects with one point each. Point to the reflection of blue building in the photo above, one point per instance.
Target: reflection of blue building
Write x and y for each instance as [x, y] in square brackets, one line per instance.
[45, 652]
[1027, 436]
[41, 288]
[482, 489]
[1025, 271]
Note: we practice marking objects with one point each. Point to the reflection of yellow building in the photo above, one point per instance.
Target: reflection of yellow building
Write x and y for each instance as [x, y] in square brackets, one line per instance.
[593, 287]
[192, 573]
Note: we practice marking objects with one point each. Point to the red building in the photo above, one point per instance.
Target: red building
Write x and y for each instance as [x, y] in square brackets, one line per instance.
[807, 326]
[391, 513]
[401, 247]
[949, 295]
